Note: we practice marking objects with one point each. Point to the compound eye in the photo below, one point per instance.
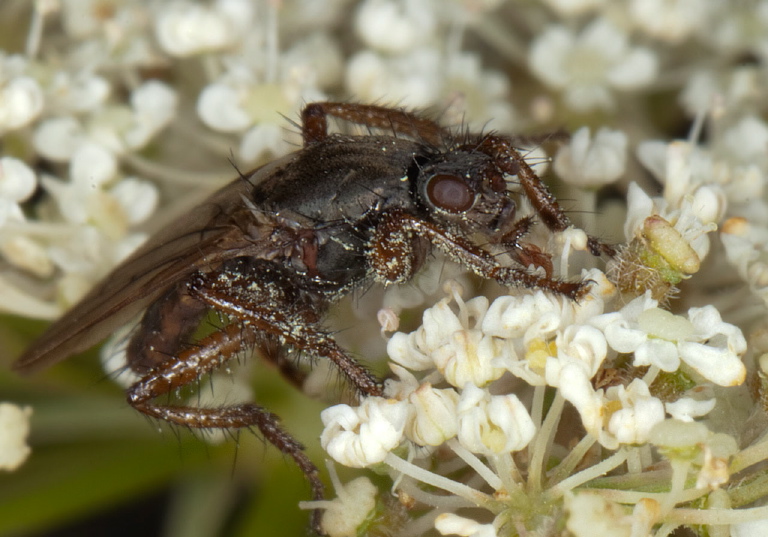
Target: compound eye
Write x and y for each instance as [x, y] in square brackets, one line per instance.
[450, 192]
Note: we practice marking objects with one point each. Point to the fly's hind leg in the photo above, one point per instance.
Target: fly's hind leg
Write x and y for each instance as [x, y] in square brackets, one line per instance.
[195, 361]
[314, 120]
[162, 352]
[263, 304]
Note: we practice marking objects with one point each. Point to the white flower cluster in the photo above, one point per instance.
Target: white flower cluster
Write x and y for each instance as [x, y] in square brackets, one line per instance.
[67, 114]
[543, 341]
[14, 429]
[588, 66]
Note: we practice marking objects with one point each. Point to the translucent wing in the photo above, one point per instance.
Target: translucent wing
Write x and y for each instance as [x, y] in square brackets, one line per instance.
[201, 240]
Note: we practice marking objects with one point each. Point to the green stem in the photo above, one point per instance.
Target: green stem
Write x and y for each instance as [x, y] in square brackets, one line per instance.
[569, 463]
[543, 443]
[590, 473]
[425, 476]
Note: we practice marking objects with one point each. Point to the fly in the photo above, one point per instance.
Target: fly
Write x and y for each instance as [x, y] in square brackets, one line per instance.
[274, 249]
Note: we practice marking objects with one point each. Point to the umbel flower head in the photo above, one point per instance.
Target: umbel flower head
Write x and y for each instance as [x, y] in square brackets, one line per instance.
[455, 402]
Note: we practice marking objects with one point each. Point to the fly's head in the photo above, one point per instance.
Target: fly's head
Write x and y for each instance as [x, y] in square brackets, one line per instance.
[466, 191]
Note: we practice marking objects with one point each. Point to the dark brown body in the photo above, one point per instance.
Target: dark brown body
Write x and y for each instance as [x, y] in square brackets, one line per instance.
[274, 249]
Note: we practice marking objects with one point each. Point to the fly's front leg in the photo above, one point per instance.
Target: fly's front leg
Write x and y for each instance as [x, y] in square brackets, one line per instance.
[314, 119]
[392, 254]
[266, 301]
[510, 161]
[524, 253]
[202, 358]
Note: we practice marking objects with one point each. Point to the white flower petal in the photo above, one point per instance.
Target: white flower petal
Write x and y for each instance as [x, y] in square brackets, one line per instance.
[58, 138]
[14, 429]
[138, 198]
[514, 316]
[27, 254]
[17, 302]
[604, 36]
[720, 366]
[659, 352]
[592, 163]
[582, 344]
[450, 524]
[263, 139]
[548, 53]
[493, 425]
[709, 325]
[92, 166]
[578, 391]
[622, 338]
[187, 28]
[466, 357]
[21, 101]
[663, 324]
[17, 180]
[354, 506]
[748, 139]
[755, 528]
[681, 18]
[636, 70]
[588, 96]
[686, 408]
[220, 107]
[154, 106]
[394, 27]
[440, 323]
[362, 436]
[640, 412]
[434, 418]
[590, 515]
[401, 350]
